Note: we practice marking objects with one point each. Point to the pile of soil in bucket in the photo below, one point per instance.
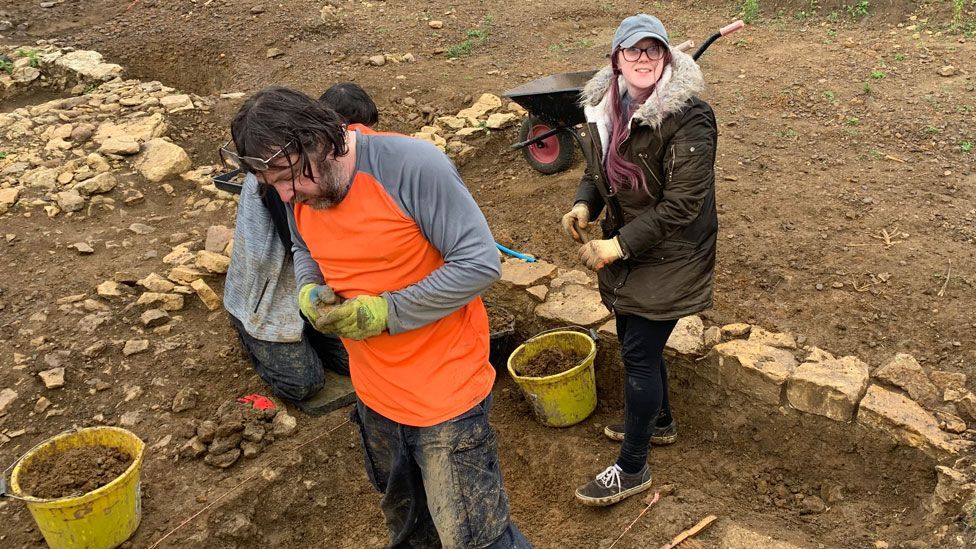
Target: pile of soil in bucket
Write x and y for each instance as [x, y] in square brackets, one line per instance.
[73, 472]
[550, 362]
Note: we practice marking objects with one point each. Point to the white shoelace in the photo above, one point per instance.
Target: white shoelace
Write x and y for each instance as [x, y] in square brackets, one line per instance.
[610, 477]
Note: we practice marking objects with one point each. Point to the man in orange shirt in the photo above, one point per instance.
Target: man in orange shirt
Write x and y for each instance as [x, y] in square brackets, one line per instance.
[386, 220]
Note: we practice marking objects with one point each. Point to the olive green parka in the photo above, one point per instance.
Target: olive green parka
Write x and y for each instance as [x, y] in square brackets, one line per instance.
[667, 233]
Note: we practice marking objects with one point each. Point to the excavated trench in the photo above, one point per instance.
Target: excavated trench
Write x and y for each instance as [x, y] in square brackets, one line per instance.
[774, 476]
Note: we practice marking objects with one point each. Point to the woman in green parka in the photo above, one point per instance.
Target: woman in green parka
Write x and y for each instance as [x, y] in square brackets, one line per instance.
[650, 145]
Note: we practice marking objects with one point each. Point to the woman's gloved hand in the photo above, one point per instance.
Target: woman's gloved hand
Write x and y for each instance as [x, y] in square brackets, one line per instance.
[358, 318]
[577, 218]
[314, 300]
[596, 254]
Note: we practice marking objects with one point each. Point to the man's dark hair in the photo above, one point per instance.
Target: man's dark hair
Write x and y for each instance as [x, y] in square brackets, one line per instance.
[352, 103]
[277, 117]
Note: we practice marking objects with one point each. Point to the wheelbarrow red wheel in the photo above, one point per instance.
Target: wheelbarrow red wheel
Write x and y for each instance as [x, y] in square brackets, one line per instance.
[551, 155]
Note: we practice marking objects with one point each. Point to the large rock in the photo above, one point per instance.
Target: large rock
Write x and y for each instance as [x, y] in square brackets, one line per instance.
[161, 160]
[45, 179]
[166, 302]
[214, 263]
[101, 183]
[773, 339]
[8, 197]
[176, 103]
[523, 274]
[500, 120]
[53, 378]
[485, 104]
[904, 372]
[905, 420]
[155, 283]
[206, 294]
[140, 129]
[121, 144]
[89, 64]
[688, 337]
[830, 388]
[218, 237]
[573, 304]
[70, 200]
[755, 369]
[7, 397]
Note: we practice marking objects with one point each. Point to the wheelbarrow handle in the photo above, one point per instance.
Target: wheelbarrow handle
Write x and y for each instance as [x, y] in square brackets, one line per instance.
[724, 31]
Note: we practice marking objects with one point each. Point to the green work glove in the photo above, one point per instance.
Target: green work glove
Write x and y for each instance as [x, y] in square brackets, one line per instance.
[358, 318]
[314, 300]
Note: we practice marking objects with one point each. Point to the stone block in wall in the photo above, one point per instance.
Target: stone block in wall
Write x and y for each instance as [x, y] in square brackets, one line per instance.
[905, 420]
[688, 337]
[573, 304]
[523, 274]
[752, 368]
[830, 388]
[773, 339]
[904, 372]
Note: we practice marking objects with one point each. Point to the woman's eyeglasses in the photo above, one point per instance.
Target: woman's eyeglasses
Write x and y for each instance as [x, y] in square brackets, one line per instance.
[232, 160]
[654, 53]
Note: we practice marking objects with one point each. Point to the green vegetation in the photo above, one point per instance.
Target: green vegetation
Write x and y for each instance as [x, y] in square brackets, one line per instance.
[473, 38]
[900, 57]
[966, 146]
[858, 10]
[852, 121]
[750, 10]
[875, 154]
[932, 130]
[90, 89]
[32, 54]
[787, 134]
[6, 66]
[3, 154]
[829, 95]
[878, 74]
[867, 88]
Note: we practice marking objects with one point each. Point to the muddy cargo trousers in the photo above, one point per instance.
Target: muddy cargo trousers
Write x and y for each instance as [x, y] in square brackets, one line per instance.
[441, 485]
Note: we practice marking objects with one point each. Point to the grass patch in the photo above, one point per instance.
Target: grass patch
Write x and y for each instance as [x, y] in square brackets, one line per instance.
[858, 10]
[32, 54]
[750, 10]
[966, 146]
[472, 39]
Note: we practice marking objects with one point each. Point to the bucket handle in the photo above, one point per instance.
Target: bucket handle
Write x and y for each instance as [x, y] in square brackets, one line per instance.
[588, 331]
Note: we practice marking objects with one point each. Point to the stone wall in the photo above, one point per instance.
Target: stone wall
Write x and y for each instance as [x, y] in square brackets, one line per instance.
[770, 378]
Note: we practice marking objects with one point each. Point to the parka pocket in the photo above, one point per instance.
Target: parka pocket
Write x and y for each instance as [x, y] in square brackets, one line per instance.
[690, 161]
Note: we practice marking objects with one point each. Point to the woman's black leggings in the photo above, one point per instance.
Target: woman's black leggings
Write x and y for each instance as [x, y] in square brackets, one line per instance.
[646, 385]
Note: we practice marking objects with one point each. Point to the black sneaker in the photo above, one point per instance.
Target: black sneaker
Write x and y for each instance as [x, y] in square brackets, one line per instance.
[662, 436]
[613, 485]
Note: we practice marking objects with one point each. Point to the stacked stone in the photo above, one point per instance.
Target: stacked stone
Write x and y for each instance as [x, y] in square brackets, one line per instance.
[450, 133]
[237, 430]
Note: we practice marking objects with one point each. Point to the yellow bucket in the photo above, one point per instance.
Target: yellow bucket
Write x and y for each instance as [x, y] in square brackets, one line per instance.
[566, 398]
[102, 518]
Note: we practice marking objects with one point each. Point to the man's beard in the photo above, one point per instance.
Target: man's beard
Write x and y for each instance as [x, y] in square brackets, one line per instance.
[331, 185]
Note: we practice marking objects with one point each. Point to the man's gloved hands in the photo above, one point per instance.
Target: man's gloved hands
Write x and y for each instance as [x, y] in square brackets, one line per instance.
[316, 300]
[577, 218]
[358, 318]
[596, 254]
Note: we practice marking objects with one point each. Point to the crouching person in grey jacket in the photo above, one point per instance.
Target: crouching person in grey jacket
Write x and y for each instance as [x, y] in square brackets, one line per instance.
[261, 299]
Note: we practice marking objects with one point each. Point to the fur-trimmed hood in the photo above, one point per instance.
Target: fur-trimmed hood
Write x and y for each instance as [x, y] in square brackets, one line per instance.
[680, 81]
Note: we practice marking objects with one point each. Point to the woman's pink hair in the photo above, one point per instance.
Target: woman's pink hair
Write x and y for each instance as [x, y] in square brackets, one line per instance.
[621, 173]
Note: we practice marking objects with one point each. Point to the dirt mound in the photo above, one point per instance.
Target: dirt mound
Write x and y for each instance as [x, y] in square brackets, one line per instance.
[73, 472]
[550, 362]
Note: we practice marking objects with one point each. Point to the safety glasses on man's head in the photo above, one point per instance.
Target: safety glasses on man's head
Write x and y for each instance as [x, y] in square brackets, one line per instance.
[232, 160]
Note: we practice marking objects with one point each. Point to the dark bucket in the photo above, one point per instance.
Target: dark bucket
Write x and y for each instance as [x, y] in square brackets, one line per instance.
[501, 342]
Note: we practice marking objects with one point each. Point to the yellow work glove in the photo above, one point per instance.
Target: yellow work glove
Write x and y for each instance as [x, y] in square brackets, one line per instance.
[314, 300]
[596, 254]
[357, 318]
[577, 218]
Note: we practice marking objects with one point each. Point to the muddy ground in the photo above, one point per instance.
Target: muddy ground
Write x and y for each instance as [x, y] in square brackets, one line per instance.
[846, 200]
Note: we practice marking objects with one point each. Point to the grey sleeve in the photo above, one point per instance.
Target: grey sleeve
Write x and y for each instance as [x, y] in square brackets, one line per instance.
[431, 192]
[306, 269]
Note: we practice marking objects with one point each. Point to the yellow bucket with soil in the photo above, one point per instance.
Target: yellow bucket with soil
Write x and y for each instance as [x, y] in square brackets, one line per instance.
[102, 518]
[562, 399]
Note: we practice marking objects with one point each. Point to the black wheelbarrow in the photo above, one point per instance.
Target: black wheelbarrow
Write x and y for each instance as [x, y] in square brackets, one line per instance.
[548, 135]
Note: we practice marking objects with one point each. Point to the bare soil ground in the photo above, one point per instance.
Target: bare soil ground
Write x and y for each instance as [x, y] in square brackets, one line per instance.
[846, 196]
